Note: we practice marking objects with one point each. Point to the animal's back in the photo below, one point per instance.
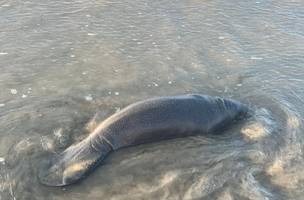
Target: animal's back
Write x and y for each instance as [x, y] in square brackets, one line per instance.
[165, 118]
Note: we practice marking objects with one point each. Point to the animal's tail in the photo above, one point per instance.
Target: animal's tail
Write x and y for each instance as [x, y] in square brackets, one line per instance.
[74, 163]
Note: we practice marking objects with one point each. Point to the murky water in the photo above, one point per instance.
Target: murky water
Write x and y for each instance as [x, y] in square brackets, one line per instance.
[62, 62]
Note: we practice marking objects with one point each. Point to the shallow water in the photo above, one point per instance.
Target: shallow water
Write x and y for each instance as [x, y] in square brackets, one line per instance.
[62, 62]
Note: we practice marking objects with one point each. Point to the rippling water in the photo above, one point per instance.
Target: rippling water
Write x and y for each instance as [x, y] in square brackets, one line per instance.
[62, 62]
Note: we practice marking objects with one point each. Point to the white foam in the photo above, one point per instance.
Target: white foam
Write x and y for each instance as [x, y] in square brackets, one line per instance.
[117, 109]
[92, 34]
[2, 160]
[14, 91]
[256, 58]
[88, 97]
[58, 132]
[155, 84]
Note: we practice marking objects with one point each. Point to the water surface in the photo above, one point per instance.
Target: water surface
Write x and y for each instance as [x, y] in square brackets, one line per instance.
[64, 62]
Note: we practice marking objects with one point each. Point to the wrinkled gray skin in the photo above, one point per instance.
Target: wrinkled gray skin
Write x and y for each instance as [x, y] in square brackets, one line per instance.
[142, 122]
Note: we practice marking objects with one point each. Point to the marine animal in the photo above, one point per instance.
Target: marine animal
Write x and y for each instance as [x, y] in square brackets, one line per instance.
[146, 121]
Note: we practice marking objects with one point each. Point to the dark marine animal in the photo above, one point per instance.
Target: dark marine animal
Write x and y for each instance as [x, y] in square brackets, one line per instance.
[146, 121]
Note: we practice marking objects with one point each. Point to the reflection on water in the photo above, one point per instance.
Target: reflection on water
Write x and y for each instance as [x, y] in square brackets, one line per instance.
[64, 62]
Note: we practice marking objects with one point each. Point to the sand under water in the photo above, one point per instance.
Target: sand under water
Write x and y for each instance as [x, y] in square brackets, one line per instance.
[64, 62]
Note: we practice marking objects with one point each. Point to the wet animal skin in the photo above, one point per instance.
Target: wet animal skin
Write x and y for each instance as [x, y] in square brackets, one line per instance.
[146, 121]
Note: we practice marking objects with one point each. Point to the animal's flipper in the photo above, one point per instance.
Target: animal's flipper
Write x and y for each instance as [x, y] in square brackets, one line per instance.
[74, 163]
